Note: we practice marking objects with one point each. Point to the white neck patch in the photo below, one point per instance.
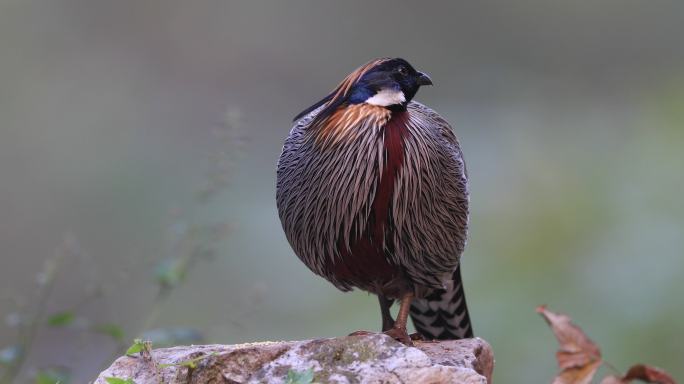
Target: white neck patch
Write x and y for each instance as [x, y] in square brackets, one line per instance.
[386, 97]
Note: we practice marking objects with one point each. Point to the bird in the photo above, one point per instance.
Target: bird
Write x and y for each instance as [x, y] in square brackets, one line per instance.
[372, 193]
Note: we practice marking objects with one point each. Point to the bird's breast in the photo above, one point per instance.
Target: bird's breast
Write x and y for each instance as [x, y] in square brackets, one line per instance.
[367, 261]
[349, 125]
[394, 134]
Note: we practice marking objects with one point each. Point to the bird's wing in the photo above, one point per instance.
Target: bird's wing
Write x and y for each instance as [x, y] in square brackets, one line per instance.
[443, 314]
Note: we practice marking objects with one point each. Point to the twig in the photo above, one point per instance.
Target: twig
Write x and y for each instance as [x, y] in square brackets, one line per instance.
[28, 332]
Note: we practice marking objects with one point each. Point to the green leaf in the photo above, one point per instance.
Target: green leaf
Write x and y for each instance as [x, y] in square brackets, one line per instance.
[61, 319]
[111, 330]
[52, 376]
[116, 380]
[46, 378]
[137, 346]
[294, 377]
[170, 272]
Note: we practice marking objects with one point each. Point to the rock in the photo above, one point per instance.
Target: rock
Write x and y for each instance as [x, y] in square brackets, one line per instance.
[352, 359]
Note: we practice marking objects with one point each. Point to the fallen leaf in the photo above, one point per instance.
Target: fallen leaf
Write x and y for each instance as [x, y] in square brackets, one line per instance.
[612, 379]
[641, 372]
[578, 356]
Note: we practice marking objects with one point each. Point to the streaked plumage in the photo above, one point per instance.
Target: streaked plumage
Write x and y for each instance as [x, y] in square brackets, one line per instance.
[372, 193]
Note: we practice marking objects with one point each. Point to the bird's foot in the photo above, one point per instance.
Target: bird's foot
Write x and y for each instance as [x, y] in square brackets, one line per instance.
[400, 335]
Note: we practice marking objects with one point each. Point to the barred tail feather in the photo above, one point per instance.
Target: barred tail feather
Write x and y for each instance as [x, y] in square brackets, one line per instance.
[443, 314]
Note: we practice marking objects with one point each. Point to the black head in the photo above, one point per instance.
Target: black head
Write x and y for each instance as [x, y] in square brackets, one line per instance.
[390, 83]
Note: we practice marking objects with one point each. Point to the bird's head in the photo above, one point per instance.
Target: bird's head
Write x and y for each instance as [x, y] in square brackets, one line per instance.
[390, 83]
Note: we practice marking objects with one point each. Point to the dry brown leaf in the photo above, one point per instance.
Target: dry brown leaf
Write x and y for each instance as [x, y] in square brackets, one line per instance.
[612, 379]
[649, 374]
[641, 372]
[578, 356]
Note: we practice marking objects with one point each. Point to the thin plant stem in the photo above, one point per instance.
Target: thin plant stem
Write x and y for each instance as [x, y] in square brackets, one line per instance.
[29, 332]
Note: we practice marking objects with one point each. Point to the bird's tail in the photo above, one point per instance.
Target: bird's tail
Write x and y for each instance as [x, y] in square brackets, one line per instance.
[443, 314]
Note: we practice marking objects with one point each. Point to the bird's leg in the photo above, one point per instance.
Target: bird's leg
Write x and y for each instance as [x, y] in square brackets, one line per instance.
[398, 331]
[387, 320]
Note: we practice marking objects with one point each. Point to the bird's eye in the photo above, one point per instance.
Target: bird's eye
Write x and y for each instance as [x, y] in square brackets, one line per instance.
[402, 71]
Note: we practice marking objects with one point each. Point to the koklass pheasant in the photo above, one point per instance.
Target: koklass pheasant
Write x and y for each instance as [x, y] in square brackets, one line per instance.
[372, 193]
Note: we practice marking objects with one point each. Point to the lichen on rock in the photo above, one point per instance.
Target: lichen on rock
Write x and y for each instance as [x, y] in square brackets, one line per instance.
[352, 359]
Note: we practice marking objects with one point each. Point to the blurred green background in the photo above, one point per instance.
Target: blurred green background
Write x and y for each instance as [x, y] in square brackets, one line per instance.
[138, 142]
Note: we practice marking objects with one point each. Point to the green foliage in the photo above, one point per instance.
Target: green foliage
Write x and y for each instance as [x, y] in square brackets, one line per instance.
[190, 242]
[170, 272]
[112, 330]
[52, 376]
[61, 319]
[137, 347]
[116, 380]
[294, 377]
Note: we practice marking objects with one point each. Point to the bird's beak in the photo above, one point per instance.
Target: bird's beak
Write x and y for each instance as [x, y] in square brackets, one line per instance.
[423, 79]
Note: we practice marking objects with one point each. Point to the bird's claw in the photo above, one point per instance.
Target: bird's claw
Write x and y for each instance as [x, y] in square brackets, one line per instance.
[400, 335]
